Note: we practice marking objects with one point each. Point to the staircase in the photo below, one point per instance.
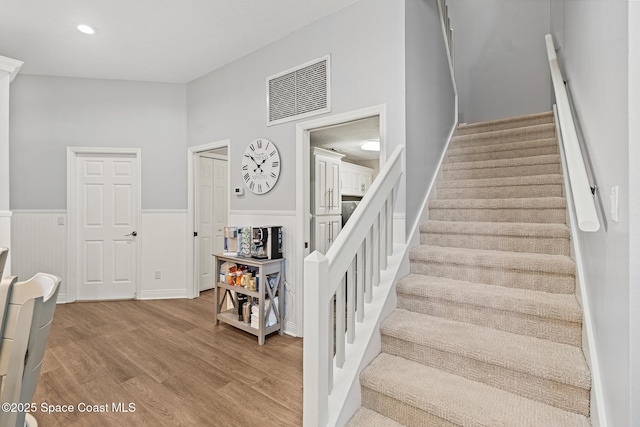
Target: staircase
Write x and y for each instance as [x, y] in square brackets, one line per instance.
[488, 330]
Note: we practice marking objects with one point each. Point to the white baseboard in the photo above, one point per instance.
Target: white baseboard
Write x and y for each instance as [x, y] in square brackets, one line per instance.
[163, 294]
[598, 408]
[290, 328]
[423, 214]
[62, 298]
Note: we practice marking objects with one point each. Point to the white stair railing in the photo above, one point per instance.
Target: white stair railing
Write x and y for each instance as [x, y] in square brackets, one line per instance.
[583, 199]
[448, 31]
[339, 285]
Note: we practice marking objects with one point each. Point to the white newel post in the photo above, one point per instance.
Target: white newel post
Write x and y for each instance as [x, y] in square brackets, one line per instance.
[316, 345]
[8, 70]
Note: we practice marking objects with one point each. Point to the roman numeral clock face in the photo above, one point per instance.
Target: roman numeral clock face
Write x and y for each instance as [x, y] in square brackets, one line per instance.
[260, 166]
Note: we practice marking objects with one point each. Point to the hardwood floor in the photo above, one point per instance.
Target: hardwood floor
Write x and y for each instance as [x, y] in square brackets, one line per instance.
[169, 360]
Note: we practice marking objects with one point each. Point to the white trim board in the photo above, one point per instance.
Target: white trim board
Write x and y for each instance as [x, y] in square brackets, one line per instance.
[424, 212]
[589, 348]
[262, 213]
[72, 220]
[153, 294]
[161, 211]
[10, 66]
[39, 211]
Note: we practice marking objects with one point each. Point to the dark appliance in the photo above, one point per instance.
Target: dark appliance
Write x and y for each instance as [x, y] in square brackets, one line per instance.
[347, 210]
[266, 242]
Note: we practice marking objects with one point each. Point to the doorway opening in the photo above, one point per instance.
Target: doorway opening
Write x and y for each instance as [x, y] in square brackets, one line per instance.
[345, 159]
[208, 211]
[305, 222]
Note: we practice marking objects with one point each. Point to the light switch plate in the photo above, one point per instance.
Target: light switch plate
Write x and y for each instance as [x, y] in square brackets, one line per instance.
[614, 203]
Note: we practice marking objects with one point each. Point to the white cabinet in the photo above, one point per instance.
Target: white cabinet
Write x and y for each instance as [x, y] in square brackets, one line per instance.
[355, 180]
[326, 229]
[326, 182]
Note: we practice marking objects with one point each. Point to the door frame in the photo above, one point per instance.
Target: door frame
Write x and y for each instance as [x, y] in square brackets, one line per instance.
[192, 285]
[303, 170]
[73, 220]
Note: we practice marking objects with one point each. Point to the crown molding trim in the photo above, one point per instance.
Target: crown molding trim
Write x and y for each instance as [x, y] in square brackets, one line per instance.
[11, 66]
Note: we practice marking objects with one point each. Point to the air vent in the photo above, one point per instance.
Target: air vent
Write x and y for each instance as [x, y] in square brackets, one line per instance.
[299, 92]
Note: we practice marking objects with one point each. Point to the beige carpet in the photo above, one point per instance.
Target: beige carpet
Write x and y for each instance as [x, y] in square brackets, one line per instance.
[488, 331]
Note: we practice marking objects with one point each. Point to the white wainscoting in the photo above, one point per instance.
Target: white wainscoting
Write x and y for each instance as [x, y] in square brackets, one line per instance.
[5, 238]
[163, 235]
[287, 219]
[39, 244]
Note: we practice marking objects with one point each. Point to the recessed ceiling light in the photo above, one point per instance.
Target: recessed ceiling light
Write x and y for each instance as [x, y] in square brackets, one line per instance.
[83, 28]
[371, 145]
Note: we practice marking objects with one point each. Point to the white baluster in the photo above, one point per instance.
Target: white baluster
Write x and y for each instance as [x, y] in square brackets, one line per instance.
[376, 252]
[351, 302]
[340, 325]
[368, 268]
[360, 283]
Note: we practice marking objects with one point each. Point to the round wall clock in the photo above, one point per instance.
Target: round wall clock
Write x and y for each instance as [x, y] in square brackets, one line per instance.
[260, 166]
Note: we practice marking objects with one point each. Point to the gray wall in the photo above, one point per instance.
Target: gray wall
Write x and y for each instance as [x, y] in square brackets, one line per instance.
[50, 113]
[500, 57]
[366, 44]
[430, 100]
[594, 51]
[634, 209]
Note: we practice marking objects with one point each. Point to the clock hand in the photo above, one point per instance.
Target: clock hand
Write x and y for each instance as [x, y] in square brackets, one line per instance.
[251, 157]
[259, 166]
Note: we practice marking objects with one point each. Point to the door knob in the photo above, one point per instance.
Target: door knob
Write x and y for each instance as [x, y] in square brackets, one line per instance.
[133, 233]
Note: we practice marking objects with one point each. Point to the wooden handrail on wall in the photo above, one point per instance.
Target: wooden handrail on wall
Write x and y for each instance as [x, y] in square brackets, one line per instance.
[584, 202]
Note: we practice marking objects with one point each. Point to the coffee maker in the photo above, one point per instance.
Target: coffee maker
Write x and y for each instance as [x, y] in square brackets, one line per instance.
[266, 242]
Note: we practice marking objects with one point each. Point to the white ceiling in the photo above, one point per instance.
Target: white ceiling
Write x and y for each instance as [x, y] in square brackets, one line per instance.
[147, 40]
[347, 138]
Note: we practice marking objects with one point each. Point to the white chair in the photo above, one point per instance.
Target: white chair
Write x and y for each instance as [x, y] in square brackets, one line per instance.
[5, 291]
[24, 338]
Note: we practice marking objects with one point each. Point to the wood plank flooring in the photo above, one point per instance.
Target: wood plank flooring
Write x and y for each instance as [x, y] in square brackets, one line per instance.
[168, 359]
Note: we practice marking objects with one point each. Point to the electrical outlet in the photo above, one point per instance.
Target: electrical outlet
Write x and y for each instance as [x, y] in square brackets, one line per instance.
[157, 274]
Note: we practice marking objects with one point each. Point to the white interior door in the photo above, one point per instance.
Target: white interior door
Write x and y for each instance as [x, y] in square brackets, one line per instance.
[212, 215]
[107, 196]
[220, 206]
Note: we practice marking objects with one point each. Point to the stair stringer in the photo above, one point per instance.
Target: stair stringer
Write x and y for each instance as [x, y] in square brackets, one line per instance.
[598, 410]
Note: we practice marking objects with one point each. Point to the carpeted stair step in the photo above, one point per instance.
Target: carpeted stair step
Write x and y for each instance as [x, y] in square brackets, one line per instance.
[416, 395]
[365, 417]
[510, 192]
[543, 210]
[550, 239]
[511, 150]
[504, 182]
[539, 272]
[500, 188]
[552, 316]
[527, 133]
[521, 166]
[508, 123]
[546, 371]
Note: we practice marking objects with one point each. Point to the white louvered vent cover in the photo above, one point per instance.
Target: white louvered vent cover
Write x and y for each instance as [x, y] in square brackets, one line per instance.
[300, 92]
